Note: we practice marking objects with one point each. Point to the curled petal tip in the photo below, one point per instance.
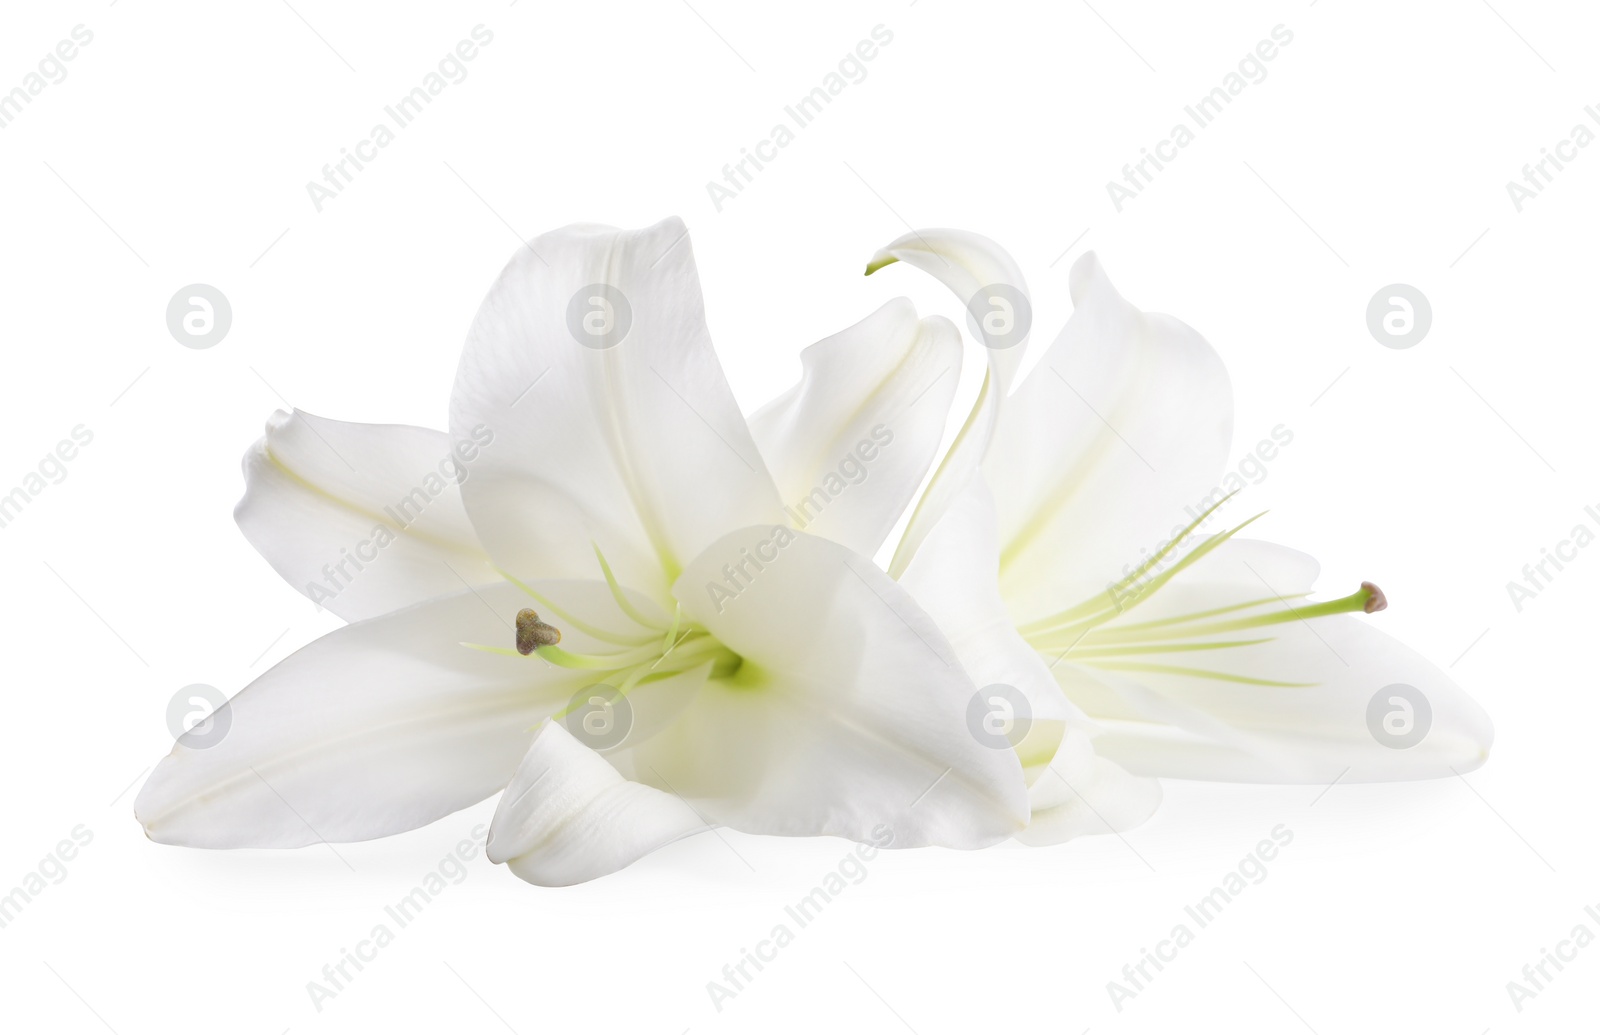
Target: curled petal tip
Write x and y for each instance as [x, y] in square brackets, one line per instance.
[878, 262]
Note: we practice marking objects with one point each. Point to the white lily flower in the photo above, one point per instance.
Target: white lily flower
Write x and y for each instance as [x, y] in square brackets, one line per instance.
[1073, 791]
[1194, 656]
[617, 525]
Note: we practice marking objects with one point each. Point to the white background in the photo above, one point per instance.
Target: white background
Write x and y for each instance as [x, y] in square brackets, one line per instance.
[1376, 151]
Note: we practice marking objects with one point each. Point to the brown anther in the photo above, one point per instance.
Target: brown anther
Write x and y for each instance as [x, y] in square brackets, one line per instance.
[1376, 601]
[533, 632]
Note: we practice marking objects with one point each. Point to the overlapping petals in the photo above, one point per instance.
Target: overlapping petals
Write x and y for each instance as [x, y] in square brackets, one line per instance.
[771, 680]
[601, 533]
[635, 446]
[1192, 655]
[363, 518]
[850, 443]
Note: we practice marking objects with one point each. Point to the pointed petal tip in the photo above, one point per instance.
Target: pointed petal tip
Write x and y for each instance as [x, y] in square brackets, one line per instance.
[879, 261]
[142, 815]
[148, 830]
[1085, 270]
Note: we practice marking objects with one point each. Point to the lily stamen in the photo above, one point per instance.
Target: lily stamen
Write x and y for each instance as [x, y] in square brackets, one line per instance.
[617, 594]
[533, 632]
[607, 662]
[1368, 598]
[1114, 598]
[588, 629]
[1123, 649]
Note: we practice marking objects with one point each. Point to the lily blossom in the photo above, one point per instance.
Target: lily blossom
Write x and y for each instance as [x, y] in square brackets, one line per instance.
[1073, 790]
[1192, 655]
[616, 547]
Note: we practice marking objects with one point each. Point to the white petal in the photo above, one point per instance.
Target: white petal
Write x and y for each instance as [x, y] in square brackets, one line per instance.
[1112, 445]
[1072, 792]
[850, 443]
[966, 263]
[376, 728]
[1164, 723]
[653, 706]
[848, 716]
[953, 578]
[568, 816]
[1084, 793]
[639, 447]
[363, 518]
